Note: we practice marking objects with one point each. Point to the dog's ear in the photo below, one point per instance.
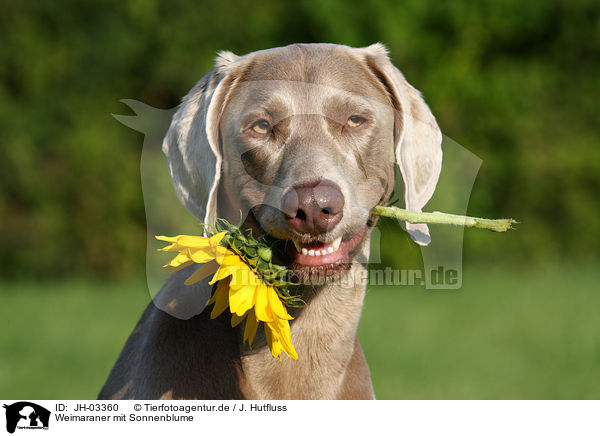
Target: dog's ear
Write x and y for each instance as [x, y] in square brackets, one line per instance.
[417, 138]
[192, 141]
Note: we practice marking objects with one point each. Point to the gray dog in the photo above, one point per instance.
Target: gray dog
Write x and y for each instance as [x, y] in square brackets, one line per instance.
[302, 140]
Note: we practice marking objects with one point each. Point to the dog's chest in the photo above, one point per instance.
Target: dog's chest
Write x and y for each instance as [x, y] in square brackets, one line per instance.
[323, 334]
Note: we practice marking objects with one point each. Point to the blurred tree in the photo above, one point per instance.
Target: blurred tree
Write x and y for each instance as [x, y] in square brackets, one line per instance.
[515, 82]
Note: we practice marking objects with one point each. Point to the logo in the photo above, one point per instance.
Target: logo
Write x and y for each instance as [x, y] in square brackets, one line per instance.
[26, 415]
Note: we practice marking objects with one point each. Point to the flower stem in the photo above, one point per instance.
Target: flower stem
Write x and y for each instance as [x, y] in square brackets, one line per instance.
[497, 225]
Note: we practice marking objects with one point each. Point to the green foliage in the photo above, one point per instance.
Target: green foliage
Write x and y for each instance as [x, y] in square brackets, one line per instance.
[257, 253]
[515, 82]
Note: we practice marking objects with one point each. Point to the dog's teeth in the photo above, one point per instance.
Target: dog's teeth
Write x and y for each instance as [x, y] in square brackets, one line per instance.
[297, 245]
[336, 243]
[317, 252]
[330, 249]
[304, 251]
[323, 252]
[311, 252]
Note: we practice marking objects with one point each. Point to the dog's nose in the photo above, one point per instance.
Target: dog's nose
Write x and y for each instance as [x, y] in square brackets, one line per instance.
[313, 208]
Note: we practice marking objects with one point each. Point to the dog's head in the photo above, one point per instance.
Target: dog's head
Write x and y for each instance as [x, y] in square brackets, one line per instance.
[302, 140]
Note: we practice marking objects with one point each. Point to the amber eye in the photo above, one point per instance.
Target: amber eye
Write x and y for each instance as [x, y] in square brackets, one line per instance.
[262, 127]
[355, 121]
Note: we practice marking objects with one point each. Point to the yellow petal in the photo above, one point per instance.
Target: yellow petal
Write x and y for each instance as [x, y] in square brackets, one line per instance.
[280, 338]
[201, 255]
[285, 338]
[166, 238]
[236, 320]
[263, 312]
[172, 247]
[251, 327]
[220, 252]
[181, 258]
[276, 305]
[182, 242]
[242, 299]
[220, 298]
[244, 276]
[272, 340]
[231, 259]
[216, 239]
[223, 271]
[193, 241]
[202, 272]
[180, 267]
[235, 286]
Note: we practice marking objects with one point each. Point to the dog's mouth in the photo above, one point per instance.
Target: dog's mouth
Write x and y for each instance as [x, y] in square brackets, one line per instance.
[318, 254]
[314, 261]
[317, 262]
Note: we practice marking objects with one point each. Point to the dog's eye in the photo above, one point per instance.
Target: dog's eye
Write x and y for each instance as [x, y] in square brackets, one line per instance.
[261, 127]
[355, 121]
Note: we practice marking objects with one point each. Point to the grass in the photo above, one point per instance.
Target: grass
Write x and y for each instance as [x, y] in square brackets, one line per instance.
[60, 341]
[504, 335]
[533, 335]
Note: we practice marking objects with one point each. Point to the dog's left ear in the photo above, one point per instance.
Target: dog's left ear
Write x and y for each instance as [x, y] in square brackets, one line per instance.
[417, 138]
[192, 142]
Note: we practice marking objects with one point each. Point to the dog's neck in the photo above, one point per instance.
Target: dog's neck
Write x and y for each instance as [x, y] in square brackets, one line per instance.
[323, 334]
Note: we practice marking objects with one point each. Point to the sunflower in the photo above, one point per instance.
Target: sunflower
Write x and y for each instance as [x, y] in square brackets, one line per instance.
[241, 284]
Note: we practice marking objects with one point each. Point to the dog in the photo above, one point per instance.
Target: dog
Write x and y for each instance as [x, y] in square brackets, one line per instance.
[303, 140]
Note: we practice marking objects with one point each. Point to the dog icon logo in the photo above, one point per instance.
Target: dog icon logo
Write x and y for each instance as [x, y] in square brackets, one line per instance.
[26, 415]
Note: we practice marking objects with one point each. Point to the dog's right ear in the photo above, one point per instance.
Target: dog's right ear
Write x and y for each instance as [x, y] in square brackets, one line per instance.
[417, 138]
[192, 141]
